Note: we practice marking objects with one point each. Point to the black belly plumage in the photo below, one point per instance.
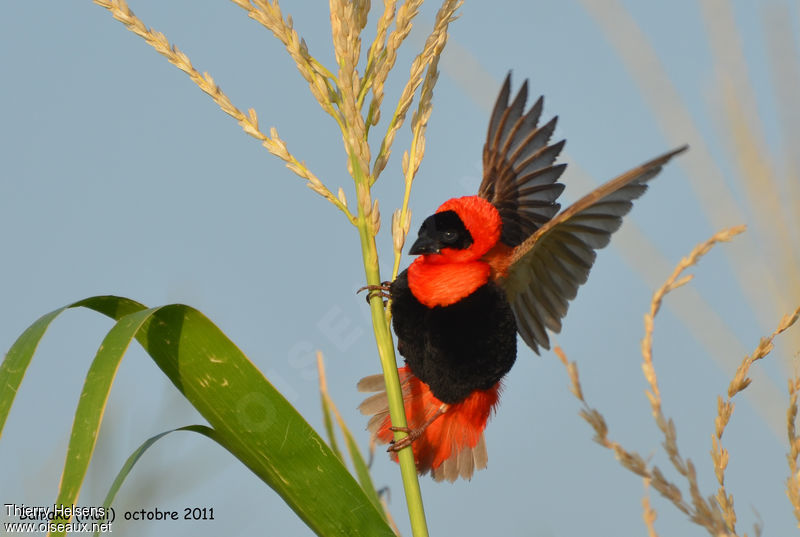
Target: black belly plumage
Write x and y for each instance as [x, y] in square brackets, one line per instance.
[457, 349]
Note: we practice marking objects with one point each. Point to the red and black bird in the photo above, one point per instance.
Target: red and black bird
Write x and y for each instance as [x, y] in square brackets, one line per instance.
[488, 267]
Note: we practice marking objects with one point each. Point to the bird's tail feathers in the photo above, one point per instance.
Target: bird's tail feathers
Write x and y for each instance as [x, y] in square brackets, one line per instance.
[452, 446]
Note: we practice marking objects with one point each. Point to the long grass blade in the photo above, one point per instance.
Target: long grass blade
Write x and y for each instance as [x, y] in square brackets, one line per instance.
[18, 358]
[137, 454]
[251, 418]
[92, 405]
[327, 419]
[359, 464]
[257, 424]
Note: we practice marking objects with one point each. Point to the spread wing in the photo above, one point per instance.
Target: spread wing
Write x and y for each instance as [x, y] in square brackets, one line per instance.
[548, 267]
[519, 177]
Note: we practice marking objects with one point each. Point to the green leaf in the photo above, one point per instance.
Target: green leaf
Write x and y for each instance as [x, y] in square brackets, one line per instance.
[360, 465]
[258, 425]
[92, 404]
[250, 418]
[19, 355]
[136, 455]
[329, 410]
[328, 423]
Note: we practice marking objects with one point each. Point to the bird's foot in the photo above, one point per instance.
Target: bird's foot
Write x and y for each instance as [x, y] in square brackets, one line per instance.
[413, 434]
[381, 290]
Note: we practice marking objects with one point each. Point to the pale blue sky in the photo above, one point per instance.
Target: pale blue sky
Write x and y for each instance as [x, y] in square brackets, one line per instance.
[119, 176]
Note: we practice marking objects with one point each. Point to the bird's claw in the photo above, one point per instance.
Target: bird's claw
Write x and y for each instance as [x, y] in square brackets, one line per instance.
[381, 290]
[397, 445]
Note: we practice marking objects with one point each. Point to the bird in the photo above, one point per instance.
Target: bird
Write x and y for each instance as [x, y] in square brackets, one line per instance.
[488, 267]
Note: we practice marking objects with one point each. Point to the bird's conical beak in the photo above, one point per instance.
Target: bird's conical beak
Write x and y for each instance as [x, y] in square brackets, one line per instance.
[424, 245]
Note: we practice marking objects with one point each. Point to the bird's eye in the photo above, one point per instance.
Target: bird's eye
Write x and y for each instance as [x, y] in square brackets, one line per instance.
[449, 237]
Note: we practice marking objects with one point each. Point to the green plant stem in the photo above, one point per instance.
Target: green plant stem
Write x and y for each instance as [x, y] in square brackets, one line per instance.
[383, 338]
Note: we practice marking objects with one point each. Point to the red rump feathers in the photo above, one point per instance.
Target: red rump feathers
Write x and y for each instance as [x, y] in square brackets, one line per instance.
[453, 445]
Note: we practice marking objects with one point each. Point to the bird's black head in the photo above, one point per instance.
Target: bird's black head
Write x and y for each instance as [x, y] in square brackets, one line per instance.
[441, 230]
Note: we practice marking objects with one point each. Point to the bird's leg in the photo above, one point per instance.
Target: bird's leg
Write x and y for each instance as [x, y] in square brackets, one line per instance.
[381, 290]
[413, 434]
